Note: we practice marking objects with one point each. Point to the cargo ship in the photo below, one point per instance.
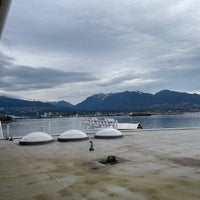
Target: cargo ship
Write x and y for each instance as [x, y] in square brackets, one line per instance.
[133, 114]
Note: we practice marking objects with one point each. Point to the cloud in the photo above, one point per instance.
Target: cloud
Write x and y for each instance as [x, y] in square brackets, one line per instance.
[18, 78]
[113, 46]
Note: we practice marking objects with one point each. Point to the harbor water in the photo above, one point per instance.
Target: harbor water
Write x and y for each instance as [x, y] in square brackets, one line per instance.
[21, 127]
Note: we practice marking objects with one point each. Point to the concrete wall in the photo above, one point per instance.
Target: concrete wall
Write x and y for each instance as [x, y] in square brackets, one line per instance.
[4, 8]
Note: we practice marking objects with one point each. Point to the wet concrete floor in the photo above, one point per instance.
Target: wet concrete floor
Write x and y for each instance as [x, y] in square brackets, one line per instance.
[157, 165]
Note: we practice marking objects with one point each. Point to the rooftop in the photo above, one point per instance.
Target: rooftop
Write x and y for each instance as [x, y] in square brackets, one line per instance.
[162, 164]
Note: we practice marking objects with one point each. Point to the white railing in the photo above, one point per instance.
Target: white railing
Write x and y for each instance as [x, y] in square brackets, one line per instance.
[1, 131]
[95, 123]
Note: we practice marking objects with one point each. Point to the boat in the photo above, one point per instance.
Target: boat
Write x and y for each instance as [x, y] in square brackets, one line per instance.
[128, 126]
[133, 114]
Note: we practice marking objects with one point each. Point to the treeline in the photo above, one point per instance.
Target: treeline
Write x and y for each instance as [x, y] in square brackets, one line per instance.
[5, 118]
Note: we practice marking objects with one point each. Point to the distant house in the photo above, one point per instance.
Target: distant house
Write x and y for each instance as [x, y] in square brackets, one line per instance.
[4, 8]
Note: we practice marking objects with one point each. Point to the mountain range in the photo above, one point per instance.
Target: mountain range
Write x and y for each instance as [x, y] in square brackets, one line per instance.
[111, 102]
[130, 101]
[11, 106]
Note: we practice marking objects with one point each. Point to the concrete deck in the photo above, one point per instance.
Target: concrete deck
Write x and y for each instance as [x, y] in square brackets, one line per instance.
[162, 164]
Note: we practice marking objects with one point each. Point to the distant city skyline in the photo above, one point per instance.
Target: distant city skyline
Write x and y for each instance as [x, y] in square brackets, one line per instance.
[69, 50]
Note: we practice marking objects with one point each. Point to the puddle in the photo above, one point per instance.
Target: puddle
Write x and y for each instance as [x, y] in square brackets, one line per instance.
[187, 162]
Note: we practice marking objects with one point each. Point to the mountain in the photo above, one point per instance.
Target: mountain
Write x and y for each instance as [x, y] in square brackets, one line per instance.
[129, 101]
[175, 98]
[111, 102]
[115, 101]
[63, 104]
[11, 102]
[12, 106]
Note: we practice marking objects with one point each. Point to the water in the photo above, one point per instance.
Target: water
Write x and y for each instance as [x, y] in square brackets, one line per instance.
[165, 121]
[22, 127]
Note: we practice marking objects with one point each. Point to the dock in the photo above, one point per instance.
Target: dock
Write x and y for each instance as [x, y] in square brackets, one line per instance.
[154, 165]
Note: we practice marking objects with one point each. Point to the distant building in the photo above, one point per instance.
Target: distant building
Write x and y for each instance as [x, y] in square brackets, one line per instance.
[4, 8]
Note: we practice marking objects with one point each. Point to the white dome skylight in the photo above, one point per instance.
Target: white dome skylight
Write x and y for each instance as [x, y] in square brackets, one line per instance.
[36, 138]
[72, 135]
[108, 133]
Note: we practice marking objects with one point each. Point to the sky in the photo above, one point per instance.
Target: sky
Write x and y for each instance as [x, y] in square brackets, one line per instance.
[69, 50]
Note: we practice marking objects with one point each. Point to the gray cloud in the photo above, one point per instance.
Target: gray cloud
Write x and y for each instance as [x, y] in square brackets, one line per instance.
[127, 45]
[15, 77]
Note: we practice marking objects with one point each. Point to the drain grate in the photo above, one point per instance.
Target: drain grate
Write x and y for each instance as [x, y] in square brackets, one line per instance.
[111, 160]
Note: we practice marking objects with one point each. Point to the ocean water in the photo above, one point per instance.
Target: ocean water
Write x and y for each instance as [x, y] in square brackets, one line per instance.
[22, 127]
[186, 120]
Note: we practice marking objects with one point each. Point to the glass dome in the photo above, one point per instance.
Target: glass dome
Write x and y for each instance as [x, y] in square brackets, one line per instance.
[36, 138]
[72, 135]
[108, 133]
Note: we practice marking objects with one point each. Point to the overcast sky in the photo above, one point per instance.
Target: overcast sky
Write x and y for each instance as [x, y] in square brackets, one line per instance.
[69, 50]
